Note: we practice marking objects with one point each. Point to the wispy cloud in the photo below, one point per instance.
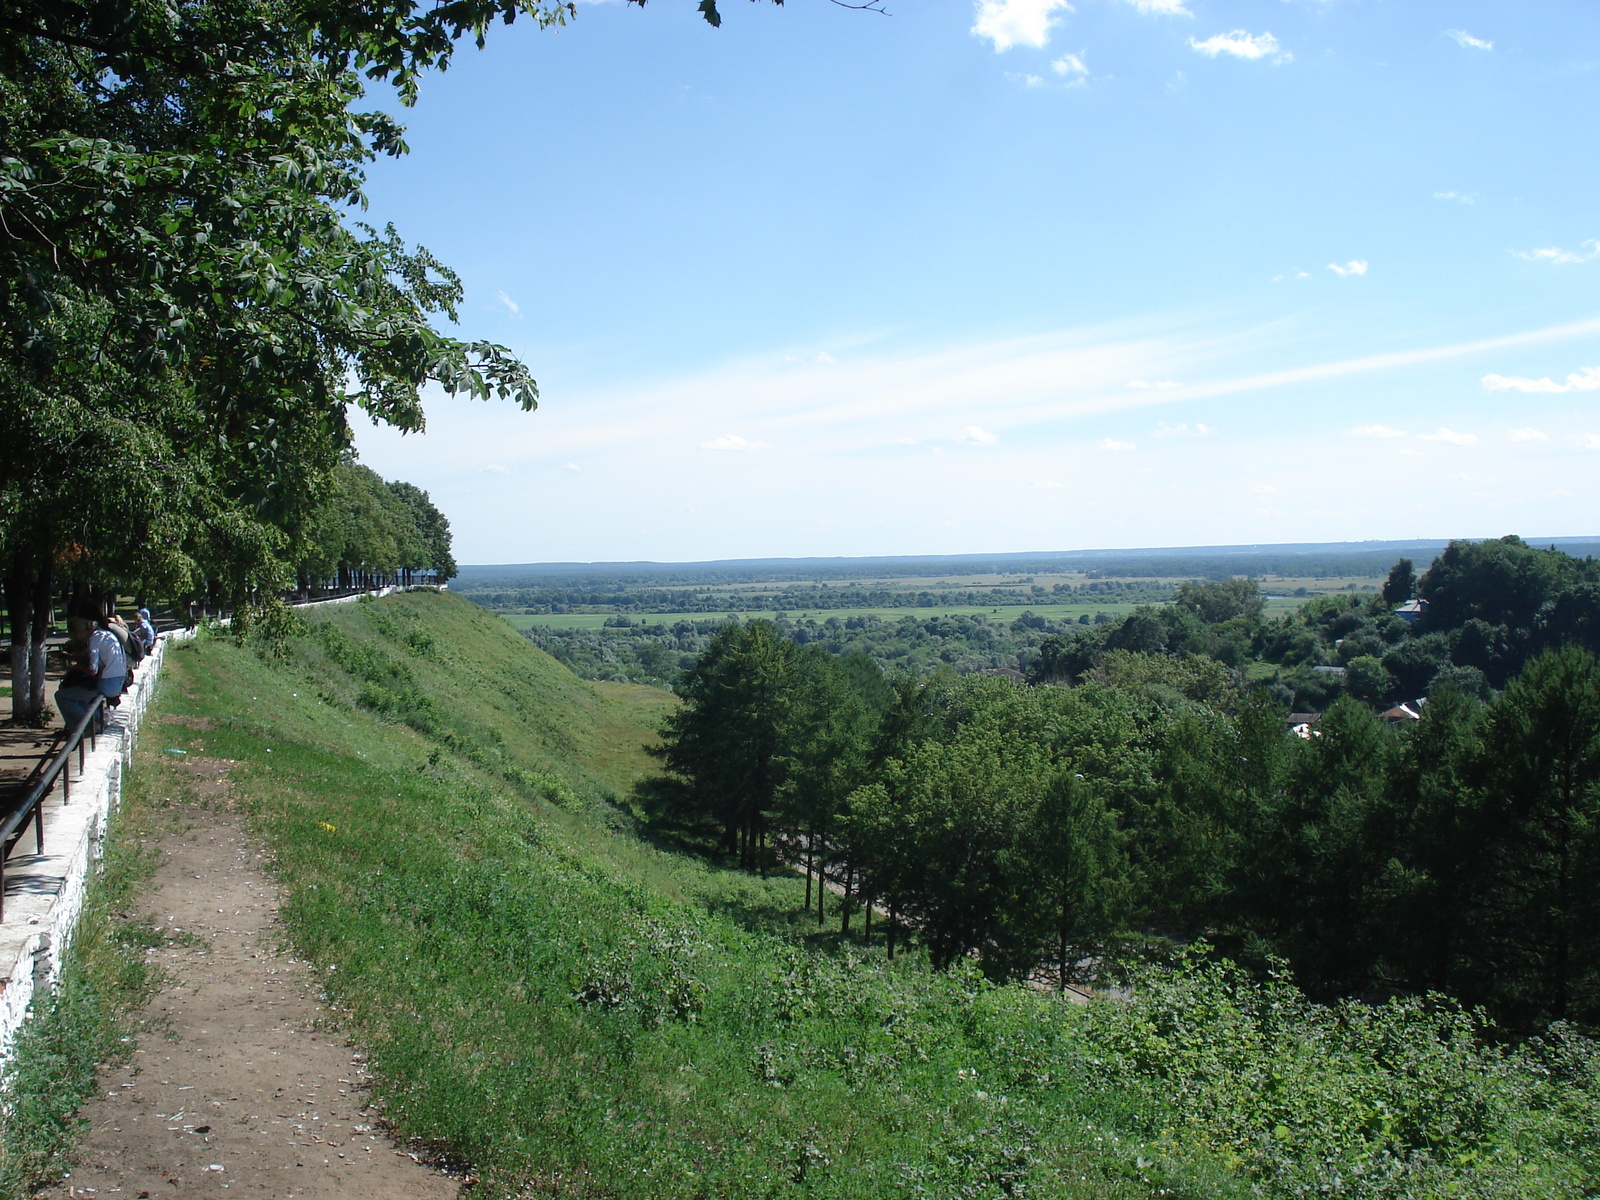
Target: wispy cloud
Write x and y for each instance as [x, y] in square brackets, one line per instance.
[973, 436]
[1589, 441]
[1113, 444]
[1587, 379]
[1467, 42]
[493, 469]
[512, 306]
[1527, 435]
[1458, 197]
[1071, 68]
[882, 396]
[1356, 266]
[1141, 385]
[1183, 430]
[1008, 23]
[1379, 431]
[1291, 275]
[1241, 44]
[1160, 8]
[1450, 437]
[732, 441]
[1555, 254]
[573, 467]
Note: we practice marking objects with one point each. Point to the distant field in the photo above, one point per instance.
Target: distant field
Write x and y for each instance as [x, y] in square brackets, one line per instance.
[1276, 607]
[1054, 612]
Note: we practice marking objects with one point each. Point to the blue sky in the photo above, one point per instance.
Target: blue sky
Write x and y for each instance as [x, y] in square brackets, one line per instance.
[1024, 275]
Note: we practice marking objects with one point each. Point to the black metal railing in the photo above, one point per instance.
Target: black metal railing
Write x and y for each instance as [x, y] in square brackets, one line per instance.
[42, 782]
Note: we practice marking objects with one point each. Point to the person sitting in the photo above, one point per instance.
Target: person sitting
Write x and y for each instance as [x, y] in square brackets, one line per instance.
[102, 669]
[118, 627]
[143, 630]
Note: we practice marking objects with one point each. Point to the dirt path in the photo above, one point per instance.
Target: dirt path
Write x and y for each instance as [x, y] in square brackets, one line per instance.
[245, 1095]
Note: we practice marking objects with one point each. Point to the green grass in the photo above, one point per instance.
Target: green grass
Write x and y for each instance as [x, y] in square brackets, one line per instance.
[579, 1013]
[91, 1019]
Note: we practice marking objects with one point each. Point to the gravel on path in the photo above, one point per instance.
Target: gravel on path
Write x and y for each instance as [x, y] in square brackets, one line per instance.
[236, 1089]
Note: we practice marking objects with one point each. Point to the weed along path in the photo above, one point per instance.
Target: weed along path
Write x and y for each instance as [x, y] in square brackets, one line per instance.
[234, 1088]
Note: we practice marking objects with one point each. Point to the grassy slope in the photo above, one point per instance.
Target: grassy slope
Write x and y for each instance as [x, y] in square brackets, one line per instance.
[577, 1013]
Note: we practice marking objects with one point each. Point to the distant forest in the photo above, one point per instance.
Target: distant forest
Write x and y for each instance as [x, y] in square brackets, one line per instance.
[1490, 605]
[1146, 786]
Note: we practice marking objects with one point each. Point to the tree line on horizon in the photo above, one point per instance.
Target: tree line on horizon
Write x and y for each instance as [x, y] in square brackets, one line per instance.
[1154, 798]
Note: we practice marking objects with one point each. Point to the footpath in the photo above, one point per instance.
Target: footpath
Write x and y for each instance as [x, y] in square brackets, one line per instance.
[236, 1087]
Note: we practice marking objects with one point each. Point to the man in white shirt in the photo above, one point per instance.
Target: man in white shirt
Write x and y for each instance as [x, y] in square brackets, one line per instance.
[100, 652]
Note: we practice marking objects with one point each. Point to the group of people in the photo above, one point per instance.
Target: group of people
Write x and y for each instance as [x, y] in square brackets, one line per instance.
[101, 654]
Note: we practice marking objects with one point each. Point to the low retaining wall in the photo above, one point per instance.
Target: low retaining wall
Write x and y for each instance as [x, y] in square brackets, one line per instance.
[44, 893]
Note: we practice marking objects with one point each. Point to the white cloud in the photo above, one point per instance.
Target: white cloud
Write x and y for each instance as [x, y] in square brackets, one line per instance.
[1458, 197]
[1008, 23]
[1265, 488]
[1071, 67]
[1528, 435]
[1379, 431]
[1045, 485]
[1113, 444]
[973, 436]
[1555, 254]
[732, 441]
[1466, 41]
[1140, 385]
[511, 305]
[1241, 44]
[574, 467]
[1033, 81]
[1356, 266]
[1160, 8]
[1587, 379]
[1589, 441]
[1450, 437]
[493, 469]
[1195, 430]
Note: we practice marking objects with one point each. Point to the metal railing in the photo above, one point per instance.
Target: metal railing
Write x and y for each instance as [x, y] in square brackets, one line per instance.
[42, 782]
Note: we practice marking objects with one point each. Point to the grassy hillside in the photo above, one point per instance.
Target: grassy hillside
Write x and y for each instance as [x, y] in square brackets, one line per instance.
[577, 1013]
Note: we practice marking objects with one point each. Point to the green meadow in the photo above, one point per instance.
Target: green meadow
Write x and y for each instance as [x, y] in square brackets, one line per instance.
[554, 995]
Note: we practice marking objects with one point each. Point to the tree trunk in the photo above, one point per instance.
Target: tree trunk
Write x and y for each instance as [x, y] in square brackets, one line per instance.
[19, 609]
[811, 860]
[822, 880]
[844, 906]
[889, 932]
[43, 581]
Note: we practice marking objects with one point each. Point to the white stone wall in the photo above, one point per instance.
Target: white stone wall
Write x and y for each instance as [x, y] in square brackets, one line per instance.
[44, 893]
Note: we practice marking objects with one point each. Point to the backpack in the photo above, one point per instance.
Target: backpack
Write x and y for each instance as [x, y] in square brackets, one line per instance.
[134, 650]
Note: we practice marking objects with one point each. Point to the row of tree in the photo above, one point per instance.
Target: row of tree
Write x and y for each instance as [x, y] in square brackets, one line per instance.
[187, 318]
[1061, 828]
